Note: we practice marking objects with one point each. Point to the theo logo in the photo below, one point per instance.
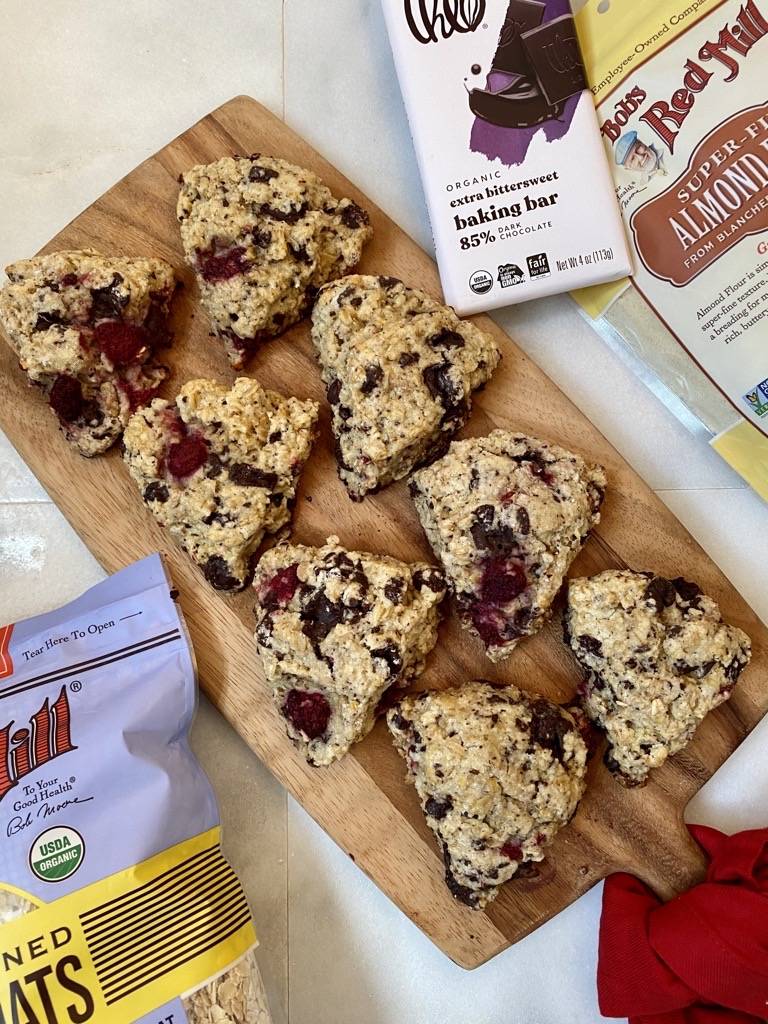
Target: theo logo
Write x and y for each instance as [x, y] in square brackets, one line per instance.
[47, 737]
[430, 20]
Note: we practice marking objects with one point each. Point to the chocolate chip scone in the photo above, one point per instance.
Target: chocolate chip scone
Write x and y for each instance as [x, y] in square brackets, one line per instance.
[498, 774]
[262, 236]
[506, 515]
[657, 656]
[84, 328]
[220, 468]
[336, 629]
[400, 370]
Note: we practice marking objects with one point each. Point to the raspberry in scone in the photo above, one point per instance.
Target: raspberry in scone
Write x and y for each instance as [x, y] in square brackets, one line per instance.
[400, 370]
[498, 774]
[220, 468]
[336, 629]
[657, 658]
[85, 328]
[262, 236]
[506, 515]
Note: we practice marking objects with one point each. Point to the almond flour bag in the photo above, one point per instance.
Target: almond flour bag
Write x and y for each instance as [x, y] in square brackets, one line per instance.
[116, 903]
[681, 96]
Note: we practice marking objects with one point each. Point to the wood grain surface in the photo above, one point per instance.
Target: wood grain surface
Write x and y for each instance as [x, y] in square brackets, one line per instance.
[363, 802]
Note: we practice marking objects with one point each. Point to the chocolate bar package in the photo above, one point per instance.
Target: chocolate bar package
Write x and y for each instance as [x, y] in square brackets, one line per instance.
[682, 98]
[520, 194]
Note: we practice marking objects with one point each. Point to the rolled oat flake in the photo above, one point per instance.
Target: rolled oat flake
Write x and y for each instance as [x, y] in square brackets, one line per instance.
[116, 903]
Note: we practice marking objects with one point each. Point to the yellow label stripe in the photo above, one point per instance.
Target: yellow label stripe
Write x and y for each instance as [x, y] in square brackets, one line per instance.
[116, 950]
[159, 923]
[152, 891]
[164, 904]
[131, 944]
[110, 963]
[187, 954]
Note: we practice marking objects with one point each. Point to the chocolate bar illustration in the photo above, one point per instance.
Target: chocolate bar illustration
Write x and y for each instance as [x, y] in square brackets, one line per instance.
[554, 54]
[510, 56]
[544, 63]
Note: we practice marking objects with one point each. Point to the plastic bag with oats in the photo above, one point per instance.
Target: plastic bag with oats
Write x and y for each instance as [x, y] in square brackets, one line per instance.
[116, 903]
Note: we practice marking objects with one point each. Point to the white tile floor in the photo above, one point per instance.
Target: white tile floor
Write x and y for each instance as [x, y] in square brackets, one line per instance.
[89, 91]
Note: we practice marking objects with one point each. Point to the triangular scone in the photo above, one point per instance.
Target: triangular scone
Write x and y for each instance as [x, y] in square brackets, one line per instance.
[498, 774]
[84, 328]
[220, 468]
[336, 629]
[506, 515]
[262, 236]
[658, 658]
[400, 370]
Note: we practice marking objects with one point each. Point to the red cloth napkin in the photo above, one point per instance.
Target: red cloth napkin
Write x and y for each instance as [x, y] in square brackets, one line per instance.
[702, 958]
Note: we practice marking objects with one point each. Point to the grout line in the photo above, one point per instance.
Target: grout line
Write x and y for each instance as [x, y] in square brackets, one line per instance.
[283, 44]
[25, 501]
[719, 490]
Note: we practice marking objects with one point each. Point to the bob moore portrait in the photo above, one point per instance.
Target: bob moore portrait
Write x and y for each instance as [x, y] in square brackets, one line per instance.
[638, 158]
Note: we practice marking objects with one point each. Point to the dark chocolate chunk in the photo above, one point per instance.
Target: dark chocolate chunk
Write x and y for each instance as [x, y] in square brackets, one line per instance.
[290, 216]
[250, 476]
[438, 808]
[48, 319]
[446, 339]
[107, 303]
[394, 590]
[590, 643]
[301, 253]
[334, 390]
[432, 579]
[353, 216]
[261, 239]
[523, 521]
[549, 727]
[216, 571]
[482, 524]
[260, 173]
[156, 492]
[408, 358]
[392, 658]
[319, 615]
[688, 591]
[373, 377]
[661, 591]
[459, 891]
[442, 388]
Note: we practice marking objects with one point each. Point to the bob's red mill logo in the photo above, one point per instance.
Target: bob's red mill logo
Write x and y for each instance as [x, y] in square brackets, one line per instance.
[665, 117]
[24, 750]
[430, 20]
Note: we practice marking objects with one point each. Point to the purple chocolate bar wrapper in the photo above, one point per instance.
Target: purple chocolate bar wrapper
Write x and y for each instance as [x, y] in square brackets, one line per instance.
[511, 145]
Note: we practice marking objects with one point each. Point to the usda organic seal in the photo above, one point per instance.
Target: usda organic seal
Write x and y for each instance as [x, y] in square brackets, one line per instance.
[57, 853]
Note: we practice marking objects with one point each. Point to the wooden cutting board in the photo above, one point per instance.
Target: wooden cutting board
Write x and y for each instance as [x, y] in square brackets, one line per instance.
[363, 802]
